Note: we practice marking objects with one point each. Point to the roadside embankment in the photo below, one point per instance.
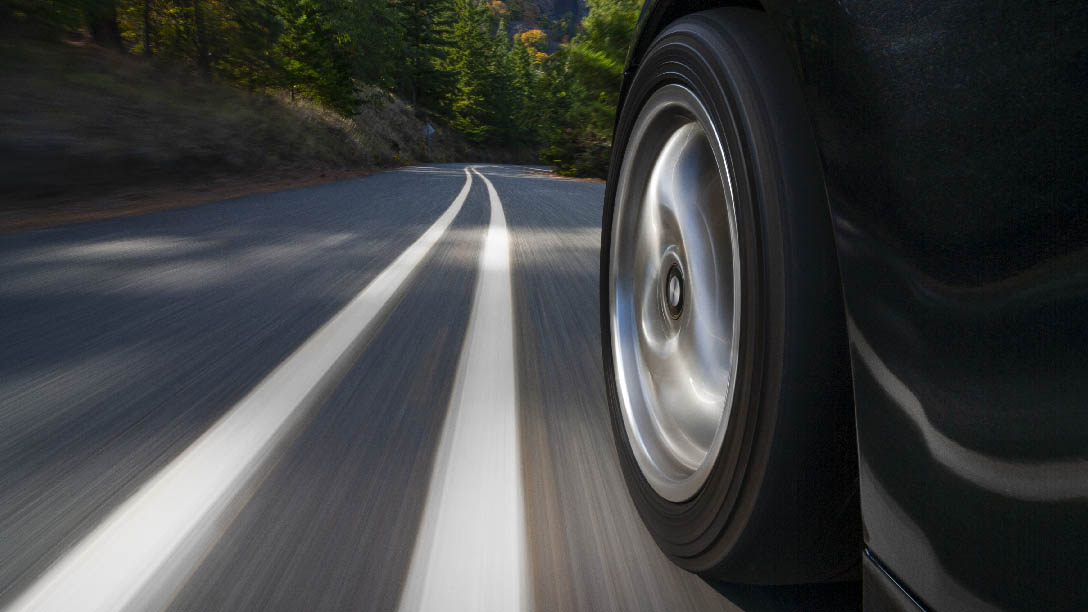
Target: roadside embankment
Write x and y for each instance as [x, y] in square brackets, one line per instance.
[87, 133]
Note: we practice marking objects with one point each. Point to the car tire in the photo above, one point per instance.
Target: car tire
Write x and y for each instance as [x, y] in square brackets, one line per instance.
[715, 116]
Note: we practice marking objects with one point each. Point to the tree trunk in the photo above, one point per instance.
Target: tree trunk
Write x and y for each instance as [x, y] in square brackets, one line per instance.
[203, 61]
[102, 22]
[147, 28]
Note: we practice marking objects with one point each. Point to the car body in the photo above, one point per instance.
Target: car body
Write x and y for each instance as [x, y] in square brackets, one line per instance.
[954, 143]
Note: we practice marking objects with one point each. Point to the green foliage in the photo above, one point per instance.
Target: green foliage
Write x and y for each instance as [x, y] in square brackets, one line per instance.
[454, 60]
[584, 80]
[422, 75]
[495, 78]
[472, 62]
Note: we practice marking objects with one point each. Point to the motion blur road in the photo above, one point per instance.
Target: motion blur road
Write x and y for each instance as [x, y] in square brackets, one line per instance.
[372, 394]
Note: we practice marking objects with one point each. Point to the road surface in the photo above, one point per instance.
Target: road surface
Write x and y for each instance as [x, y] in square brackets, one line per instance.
[382, 393]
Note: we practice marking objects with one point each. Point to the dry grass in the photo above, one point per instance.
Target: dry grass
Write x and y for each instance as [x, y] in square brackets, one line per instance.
[394, 132]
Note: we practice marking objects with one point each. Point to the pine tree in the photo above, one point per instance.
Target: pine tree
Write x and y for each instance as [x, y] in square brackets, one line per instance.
[471, 61]
[524, 84]
[422, 75]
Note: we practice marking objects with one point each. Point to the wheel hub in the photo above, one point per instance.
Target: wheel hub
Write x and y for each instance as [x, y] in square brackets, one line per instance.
[674, 292]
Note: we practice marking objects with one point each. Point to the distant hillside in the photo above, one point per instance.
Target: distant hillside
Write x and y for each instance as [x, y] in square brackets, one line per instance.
[558, 19]
[556, 9]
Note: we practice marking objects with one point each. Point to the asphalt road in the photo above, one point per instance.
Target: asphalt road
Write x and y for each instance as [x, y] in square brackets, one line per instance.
[374, 394]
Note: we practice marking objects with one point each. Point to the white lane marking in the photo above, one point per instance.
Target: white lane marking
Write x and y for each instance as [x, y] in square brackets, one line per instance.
[470, 552]
[140, 555]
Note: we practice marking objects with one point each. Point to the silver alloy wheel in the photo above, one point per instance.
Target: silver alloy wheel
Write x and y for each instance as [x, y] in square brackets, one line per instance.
[674, 292]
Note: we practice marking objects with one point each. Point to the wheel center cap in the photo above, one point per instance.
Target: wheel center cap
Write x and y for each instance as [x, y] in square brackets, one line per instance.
[674, 291]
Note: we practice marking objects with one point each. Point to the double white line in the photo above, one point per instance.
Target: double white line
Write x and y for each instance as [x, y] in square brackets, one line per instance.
[145, 550]
[470, 552]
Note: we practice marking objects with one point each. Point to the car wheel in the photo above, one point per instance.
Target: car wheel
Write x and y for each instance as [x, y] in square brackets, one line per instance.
[723, 330]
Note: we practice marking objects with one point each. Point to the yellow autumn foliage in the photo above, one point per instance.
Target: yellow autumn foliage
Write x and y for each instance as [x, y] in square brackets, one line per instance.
[534, 38]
